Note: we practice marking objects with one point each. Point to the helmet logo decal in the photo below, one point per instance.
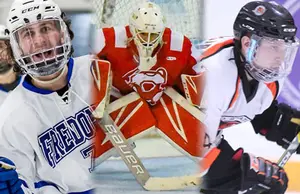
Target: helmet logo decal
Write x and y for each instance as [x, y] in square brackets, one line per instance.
[259, 10]
[289, 29]
[248, 27]
[30, 9]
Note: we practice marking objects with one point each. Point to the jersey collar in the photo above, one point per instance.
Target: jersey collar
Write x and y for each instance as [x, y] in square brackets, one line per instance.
[32, 88]
[18, 82]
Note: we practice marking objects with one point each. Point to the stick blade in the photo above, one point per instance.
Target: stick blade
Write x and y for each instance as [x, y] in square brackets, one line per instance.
[172, 183]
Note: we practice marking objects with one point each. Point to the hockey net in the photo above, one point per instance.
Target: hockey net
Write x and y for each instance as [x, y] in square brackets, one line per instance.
[184, 16]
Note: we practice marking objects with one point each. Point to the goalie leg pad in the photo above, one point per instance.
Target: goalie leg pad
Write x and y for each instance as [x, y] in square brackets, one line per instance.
[180, 123]
[134, 118]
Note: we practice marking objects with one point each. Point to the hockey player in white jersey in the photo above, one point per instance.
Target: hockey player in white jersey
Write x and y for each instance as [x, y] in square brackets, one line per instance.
[244, 77]
[9, 79]
[46, 126]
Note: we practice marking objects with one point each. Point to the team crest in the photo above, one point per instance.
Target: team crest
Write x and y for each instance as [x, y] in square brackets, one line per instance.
[259, 10]
[149, 84]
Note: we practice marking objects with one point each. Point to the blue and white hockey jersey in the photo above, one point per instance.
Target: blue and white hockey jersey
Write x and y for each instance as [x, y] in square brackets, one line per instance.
[49, 139]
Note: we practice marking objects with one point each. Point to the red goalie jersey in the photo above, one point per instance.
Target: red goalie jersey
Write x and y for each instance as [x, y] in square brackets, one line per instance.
[163, 97]
[174, 58]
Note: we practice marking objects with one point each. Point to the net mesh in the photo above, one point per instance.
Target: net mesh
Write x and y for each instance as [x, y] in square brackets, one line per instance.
[184, 16]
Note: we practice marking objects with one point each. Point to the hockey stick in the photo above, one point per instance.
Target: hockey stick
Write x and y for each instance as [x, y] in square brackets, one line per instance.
[127, 153]
[137, 168]
[282, 160]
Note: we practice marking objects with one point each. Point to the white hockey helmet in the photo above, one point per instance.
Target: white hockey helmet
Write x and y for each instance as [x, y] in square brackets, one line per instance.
[25, 16]
[4, 35]
[147, 25]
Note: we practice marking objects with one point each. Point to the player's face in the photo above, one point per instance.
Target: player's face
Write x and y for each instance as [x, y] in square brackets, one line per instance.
[266, 54]
[151, 36]
[269, 59]
[39, 39]
[270, 54]
[3, 50]
[6, 58]
[146, 38]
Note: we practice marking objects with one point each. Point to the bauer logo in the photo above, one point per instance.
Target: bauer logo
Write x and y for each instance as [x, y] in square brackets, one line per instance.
[30, 9]
[290, 92]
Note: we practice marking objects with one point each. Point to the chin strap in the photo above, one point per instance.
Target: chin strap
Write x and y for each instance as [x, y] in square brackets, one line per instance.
[54, 79]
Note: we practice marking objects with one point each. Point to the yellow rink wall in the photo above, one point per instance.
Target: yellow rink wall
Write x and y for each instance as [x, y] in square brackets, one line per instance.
[293, 171]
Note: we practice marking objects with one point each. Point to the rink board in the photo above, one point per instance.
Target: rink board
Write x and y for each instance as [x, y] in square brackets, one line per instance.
[293, 171]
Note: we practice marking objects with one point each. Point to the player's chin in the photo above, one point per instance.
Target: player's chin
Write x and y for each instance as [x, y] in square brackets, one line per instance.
[50, 77]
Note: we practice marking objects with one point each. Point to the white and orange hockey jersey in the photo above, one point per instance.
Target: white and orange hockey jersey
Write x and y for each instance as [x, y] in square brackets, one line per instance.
[226, 102]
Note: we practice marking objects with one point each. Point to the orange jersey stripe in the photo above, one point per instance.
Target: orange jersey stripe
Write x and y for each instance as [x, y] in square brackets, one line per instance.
[215, 48]
[273, 88]
[209, 159]
[236, 93]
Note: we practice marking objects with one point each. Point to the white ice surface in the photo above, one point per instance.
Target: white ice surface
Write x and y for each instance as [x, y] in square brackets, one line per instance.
[159, 158]
[243, 135]
[162, 160]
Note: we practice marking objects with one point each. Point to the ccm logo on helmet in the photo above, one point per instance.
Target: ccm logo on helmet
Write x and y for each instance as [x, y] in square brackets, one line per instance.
[248, 27]
[289, 29]
[30, 9]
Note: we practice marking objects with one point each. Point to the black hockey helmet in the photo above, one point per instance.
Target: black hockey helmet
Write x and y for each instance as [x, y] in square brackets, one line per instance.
[265, 19]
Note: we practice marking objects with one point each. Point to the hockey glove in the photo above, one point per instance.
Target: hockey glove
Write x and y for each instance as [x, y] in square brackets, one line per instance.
[258, 171]
[9, 181]
[275, 124]
[235, 171]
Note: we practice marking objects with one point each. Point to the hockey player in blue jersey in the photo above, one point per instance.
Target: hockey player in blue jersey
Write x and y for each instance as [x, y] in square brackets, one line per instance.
[46, 126]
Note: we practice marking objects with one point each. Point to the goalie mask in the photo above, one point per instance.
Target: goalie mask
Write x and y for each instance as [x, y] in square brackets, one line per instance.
[147, 25]
[6, 58]
[39, 37]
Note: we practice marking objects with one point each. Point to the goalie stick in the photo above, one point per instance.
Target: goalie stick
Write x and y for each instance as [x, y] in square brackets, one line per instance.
[282, 160]
[128, 155]
[135, 165]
